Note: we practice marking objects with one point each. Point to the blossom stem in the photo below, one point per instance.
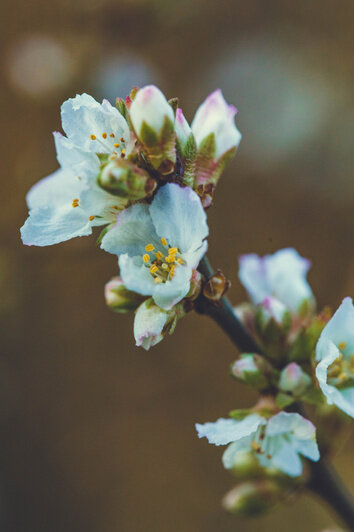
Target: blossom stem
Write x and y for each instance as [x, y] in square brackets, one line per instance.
[323, 480]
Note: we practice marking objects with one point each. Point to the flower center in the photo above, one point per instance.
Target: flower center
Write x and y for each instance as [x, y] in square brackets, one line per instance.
[108, 147]
[341, 372]
[163, 262]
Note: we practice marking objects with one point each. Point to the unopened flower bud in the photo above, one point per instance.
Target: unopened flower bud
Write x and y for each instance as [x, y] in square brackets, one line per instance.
[293, 379]
[119, 298]
[245, 464]
[152, 323]
[252, 369]
[126, 180]
[216, 286]
[153, 120]
[272, 308]
[183, 130]
[195, 285]
[253, 498]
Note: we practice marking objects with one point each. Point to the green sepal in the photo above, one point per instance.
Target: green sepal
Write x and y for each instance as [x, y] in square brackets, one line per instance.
[174, 104]
[207, 147]
[240, 414]
[122, 108]
[312, 396]
[283, 400]
[103, 233]
[147, 135]
[189, 155]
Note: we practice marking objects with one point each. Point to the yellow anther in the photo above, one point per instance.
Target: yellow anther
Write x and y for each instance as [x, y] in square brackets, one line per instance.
[170, 258]
[164, 266]
[172, 271]
[179, 260]
[159, 255]
[122, 139]
[146, 258]
[157, 280]
[75, 202]
[149, 247]
[93, 137]
[172, 251]
[163, 241]
[91, 217]
[255, 446]
[153, 268]
[104, 135]
[111, 135]
[122, 153]
[116, 145]
[342, 346]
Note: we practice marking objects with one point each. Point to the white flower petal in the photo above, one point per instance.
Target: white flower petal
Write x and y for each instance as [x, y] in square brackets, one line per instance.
[148, 325]
[78, 161]
[168, 294]
[132, 231]
[82, 117]
[136, 275]
[308, 448]
[287, 460]
[178, 215]
[290, 422]
[193, 258]
[340, 328]
[215, 116]
[225, 431]
[52, 218]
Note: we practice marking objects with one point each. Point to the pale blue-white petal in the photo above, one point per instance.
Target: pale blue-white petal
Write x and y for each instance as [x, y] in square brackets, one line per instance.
[193, 258]
[340, 329]
[168, 294]
[225, 431]
[148, 325]
[285, 422]
[286, 459]
[52, 217]
[82, 117]
[71, 157]
[286, 271]
[132, 231]
[235, 449]
[253, 275]
[308, 448]
[179, 217]
[136, 275]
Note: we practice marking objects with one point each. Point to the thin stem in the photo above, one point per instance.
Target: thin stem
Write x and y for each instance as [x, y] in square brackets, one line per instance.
[323, 481]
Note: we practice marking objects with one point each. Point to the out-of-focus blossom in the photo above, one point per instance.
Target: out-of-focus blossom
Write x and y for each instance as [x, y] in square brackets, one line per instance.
[157, 249]
[335, 356]
[277, 442]
[293, 379]
[119, 299]
[281, 275]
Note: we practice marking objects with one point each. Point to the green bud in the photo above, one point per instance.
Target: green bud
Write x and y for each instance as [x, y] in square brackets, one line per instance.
[252, 369]
[126, 180]
[293, 379]
[253, 498]
[120, 299]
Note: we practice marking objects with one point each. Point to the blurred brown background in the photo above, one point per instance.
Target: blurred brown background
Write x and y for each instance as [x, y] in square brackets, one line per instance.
[97, 435]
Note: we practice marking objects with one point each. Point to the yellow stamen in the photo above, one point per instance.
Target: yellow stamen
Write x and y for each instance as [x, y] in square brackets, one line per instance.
[172, 251]
[170, 258]
[75, 202]
[122, 139]
[104, 135]
[149, 247]
[93, 137]
[146, 258]
[91, 217]
[153, 268]
[342, 346]
[159, 255]
[163, 241]
[116, 145]
[172, 271]
[111, 135]
[157, 280]
[122, 153]
[179, 260]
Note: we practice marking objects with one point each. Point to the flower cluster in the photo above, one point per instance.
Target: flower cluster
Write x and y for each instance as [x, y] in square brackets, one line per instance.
[305, 358]
[141, 171]
[146, 176]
